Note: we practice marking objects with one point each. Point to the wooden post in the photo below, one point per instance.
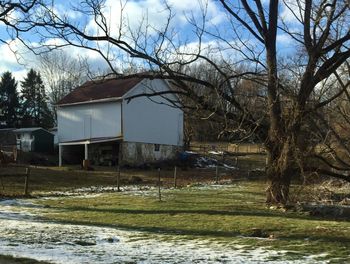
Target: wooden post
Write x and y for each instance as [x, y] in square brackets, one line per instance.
[175, 171]
[15, 153]
[159, 194]
[118, 178]
[26, 181]
[2, 184]
[217, 174]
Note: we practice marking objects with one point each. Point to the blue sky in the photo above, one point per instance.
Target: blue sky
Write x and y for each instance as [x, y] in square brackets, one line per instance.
[132, 13]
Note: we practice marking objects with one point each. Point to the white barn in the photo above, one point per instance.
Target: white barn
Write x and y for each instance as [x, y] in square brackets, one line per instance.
[97, 122]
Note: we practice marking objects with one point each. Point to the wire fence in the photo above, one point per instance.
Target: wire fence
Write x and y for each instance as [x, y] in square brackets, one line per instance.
[240, 148]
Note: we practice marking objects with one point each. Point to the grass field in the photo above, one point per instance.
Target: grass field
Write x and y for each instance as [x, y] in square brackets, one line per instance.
[233, 212]
[226, 213]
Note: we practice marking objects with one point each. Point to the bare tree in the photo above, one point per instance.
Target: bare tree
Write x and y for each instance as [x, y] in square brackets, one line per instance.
[62, 73]
[247, 41]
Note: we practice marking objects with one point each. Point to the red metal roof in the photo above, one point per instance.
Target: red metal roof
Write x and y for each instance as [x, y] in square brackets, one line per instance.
[97, 90]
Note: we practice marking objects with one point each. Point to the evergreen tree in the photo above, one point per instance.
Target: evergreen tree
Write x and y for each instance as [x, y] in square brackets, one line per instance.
[35, 110]
[9, 102]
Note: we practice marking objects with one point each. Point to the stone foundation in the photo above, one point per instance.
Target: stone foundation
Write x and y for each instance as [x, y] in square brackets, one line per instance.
[135, 154]
[123, 153]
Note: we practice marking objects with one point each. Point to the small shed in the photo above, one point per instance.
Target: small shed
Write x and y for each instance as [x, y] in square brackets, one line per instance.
[34, 139]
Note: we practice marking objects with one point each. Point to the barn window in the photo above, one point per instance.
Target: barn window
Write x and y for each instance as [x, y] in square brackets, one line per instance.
[156, 147]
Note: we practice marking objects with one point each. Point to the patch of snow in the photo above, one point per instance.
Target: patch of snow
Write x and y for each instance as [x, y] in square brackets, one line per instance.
[59, 243]
[94, 191]
[229, 167]
[259, 169]
[23, 234]
[190, 152]
[215, 152]
[205, 162]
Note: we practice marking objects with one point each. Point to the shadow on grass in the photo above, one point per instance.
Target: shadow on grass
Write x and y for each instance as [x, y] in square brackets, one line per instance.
[206, 233]
[252, 213]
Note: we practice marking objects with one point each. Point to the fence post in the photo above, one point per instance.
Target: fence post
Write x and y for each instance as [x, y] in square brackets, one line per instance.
[175, 172]
[217, 174]
[2, 184]
[26, 181]
[118, 178]
[249, 171]
[159, 194]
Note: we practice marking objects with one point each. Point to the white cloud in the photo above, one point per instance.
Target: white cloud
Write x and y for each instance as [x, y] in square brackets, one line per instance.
[290, 11]
[7, 55]
[20, 75]
[66, 10]
[154, 13]
[15, 58]
[284, 39]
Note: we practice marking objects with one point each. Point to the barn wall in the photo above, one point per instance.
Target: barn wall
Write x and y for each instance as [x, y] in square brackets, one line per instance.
[89, 121]
[147, 121]
[134, 153]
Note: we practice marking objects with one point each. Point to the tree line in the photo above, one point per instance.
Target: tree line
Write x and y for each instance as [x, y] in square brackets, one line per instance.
[27, 108]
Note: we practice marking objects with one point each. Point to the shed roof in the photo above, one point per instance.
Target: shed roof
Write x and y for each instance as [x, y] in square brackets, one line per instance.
[7, 129]
[29, 129]
[102, 89]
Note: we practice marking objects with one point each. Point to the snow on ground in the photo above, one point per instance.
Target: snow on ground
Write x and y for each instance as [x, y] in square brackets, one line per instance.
[24, 235]
[136, 190]
[215, 152]
[92, 191]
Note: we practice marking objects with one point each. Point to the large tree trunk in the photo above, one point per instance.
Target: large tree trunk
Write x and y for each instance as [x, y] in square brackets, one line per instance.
[283, 164]
[279, 178]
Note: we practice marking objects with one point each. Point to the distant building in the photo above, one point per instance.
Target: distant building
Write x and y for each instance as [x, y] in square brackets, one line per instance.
[97, 122]
[34, 139]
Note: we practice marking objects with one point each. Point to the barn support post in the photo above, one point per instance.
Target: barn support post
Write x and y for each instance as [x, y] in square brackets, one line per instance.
[86, 155]
[60, 155]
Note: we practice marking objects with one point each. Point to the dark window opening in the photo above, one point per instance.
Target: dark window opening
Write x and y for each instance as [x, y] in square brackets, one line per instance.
[156, 147]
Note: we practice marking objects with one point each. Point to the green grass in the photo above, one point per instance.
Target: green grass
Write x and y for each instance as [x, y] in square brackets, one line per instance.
[46, 179]
[232, 213]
